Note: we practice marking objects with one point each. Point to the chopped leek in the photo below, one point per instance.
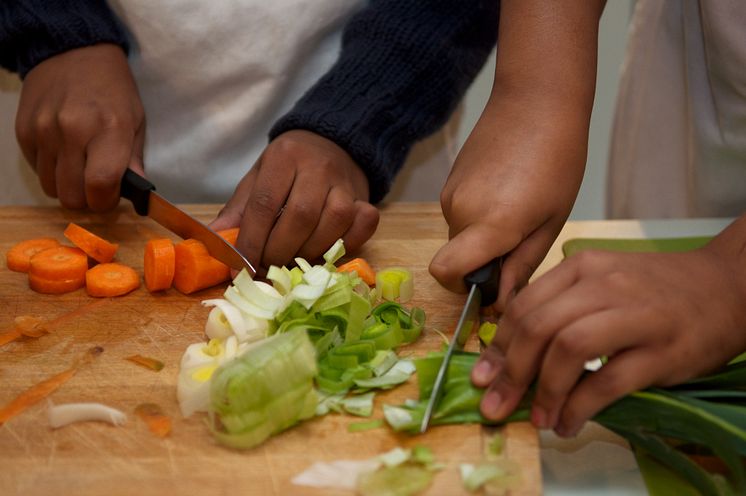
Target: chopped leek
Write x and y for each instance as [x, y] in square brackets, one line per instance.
[365, 426]
[706, 412]
[395, 284]
[247, 401]
[487, 332]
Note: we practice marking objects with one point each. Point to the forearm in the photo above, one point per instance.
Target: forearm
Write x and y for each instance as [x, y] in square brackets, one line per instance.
[32, 31]
[545, 74]
[403, 67]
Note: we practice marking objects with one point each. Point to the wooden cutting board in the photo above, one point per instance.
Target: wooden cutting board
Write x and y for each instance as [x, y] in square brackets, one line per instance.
[97, 458]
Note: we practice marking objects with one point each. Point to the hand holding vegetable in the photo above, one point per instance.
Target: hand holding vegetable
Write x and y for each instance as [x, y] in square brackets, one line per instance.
[515, 180]
[660, 318]
[302, 195]
[80, 124]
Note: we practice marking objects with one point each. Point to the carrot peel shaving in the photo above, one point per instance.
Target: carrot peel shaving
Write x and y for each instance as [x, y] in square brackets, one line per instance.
[147, 362]
[158, 423]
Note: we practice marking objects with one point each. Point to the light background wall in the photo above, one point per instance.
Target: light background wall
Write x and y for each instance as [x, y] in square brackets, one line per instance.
[18, 184]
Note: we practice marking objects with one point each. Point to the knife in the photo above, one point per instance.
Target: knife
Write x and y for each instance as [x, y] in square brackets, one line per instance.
[483, 286]
[147, 202]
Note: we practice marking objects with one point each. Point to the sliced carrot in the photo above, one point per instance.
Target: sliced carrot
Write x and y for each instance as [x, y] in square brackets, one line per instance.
[43, 389]
[55, 286]
[230, 235]
[63, 262]
[196, 269]
[158, 423]
[57, 270]
[111, 279]
[363, 269]
[19, 256]
[159, 264]
[94, 246]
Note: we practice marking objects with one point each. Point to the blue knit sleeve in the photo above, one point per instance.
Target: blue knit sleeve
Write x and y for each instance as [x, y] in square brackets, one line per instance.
[403, 67]
[31, 31]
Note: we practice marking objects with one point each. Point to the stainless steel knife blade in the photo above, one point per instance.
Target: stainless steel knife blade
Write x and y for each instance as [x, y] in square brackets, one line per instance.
[483, 285]
[147, 202]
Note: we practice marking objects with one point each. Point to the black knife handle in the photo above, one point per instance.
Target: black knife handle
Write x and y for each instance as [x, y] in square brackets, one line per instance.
[487, 278]
[136, 189]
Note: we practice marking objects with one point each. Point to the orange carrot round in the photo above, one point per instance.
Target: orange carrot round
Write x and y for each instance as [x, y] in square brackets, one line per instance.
[363, 269]
[94, 246]
[55, 286]
[196, 269]
[62, 262]
[111, 279]
[18, 256]
[159, 264]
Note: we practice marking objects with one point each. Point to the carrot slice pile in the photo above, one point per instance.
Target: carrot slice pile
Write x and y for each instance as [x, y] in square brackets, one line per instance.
[111, 279]
[19, 256]
[159, 264]
[94, 246]
[363, 269]
[57, 270]
[196, 269]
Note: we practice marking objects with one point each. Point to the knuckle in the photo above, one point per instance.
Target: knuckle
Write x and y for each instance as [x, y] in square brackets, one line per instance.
[44, 124]
[302, 213]
[340, 212]
[263, 203]
[568, 345]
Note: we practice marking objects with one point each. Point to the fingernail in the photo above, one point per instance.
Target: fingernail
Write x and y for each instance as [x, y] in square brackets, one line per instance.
[482, 371]
[490, 404]
[539, 417]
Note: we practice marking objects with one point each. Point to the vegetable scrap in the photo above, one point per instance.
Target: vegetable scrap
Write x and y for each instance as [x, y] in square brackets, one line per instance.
[94, 246]
[19, 256]
[395, 284]
[35, 327]
[362, 268]
[158, 423]
[146, 362]
[61, 415]
[486, 332]
[43, 389]
[111, 279]
[398, 472]
[24, 326]
[159, 264]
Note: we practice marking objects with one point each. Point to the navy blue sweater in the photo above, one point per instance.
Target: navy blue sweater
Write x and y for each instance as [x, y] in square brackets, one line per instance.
[403, 67]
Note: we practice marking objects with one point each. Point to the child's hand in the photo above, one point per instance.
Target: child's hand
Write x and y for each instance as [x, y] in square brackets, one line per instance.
[302, 195]
[80, 124]
[660, 318]
[510, 192]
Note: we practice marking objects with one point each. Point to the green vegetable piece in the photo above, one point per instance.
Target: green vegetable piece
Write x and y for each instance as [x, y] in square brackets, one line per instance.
[402, 480]
[487, 332]
[365, 426]
[247, 401]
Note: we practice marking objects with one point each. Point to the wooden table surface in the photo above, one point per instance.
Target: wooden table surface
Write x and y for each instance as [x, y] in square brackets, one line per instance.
[97, 458]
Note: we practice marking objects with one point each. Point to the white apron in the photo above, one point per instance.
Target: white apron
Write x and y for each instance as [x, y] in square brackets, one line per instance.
[215, 75]
[679, 138]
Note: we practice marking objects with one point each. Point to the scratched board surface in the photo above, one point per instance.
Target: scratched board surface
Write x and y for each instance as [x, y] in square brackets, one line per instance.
[98, 458]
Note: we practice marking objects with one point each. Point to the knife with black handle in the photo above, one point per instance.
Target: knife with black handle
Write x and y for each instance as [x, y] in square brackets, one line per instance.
[147, 202]
[483, 285]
